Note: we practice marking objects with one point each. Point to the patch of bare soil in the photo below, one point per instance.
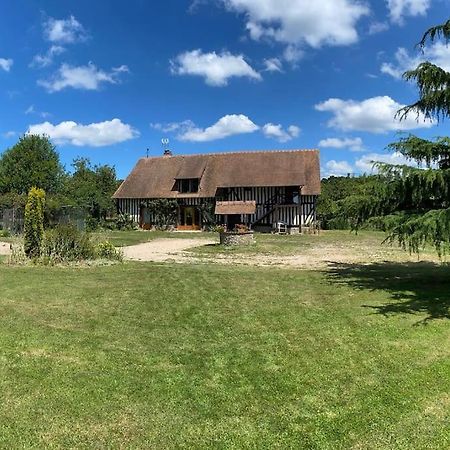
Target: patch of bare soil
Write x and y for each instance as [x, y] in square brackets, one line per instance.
[318, 256]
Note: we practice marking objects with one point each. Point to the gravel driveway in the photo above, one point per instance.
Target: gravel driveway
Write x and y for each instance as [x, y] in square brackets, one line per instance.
[161, 250]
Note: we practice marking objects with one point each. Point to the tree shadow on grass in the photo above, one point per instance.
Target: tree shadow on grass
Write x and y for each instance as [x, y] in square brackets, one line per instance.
[415, 288]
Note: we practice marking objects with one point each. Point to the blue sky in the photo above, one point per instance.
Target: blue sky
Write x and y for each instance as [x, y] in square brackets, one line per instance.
[107, 79]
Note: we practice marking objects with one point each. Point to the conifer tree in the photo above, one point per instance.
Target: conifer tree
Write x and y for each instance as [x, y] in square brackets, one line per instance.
[413, 203]
[34, 222]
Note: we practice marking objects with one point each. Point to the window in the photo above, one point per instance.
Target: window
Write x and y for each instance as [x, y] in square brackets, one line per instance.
[292, 196]
[188, 185]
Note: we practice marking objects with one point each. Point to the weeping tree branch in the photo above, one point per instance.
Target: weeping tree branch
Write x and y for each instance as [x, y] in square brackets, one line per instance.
[439, 31]
[432, 81]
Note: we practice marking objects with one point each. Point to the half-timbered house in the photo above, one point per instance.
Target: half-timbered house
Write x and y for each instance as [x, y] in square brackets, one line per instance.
[259, 189]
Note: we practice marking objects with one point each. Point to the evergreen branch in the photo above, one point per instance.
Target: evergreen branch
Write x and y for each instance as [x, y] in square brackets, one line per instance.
[424, 151]
[434, 90]
[439, 31]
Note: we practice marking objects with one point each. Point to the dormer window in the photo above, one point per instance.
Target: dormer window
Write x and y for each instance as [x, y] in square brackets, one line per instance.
[188, 185]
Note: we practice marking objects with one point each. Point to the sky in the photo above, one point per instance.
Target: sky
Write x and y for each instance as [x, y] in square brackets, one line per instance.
[109, 79]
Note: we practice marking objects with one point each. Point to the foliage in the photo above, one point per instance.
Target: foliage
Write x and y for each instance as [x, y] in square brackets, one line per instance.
[65, 243]
[106, 250]
[34, 223]
[207, 213]
[124, 222]
[338, 196]
[32, 162]
[414, 203]
[241, 228]
[13, 200]
[432, 81]
[91, 187]
[163, 212]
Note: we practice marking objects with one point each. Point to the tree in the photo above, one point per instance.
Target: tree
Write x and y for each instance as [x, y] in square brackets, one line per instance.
[432, 81]
[34, 223]
[91, 187]
[413, 203]
[32, 162]
[335, 196]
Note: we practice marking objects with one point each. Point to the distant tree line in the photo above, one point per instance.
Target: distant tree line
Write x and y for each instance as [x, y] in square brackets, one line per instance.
[33, 162]
[340, 195]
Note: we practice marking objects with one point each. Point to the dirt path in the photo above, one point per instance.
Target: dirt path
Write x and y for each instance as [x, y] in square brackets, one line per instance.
[316, 257]
[161, 250]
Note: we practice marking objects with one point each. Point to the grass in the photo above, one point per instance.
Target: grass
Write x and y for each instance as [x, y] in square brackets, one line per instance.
[198, 356]
[124, 238]
[368, 244]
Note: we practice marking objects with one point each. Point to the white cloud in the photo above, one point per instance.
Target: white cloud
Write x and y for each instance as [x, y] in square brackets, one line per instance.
[6, 64]
[215, 68]
[82, 77]
[32, 110]
[229, 125]
[337, 168]
[378, 27]
[438, 54]
[398, 9]
[374, 115]
[9, 134]
[317, 23]
[66, 31]
[47, 59]
[365, 164]
[353, 144]
[273, 65]
[292, 54]
[277, 132]
[92, 135]
[173, 126]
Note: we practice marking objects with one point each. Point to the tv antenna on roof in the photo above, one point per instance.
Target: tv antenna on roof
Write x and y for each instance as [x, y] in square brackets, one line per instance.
[165, 144]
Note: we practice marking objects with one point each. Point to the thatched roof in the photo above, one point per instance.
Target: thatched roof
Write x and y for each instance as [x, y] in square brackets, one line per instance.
[156, 177]
[236, 207]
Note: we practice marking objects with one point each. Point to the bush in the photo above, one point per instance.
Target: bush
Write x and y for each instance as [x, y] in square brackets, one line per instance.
[5, 233]
[92, 224]
[106, 250]
[124, 222]
[34, 223]
[66, 243]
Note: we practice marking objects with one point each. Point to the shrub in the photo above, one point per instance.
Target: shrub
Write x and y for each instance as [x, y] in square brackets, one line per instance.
[92, 224]
[106, 250]
[124, 222]
[66, 243]
[5, 233]
[219, 228]
[34, 223]
[241, 228]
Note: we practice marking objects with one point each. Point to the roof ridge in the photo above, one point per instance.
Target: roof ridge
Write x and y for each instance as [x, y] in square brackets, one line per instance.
[237, 152]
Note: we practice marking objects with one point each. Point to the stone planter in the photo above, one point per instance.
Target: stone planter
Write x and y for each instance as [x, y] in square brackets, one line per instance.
[231, 238]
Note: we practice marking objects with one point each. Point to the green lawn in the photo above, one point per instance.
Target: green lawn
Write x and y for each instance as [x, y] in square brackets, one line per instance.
[198, 356]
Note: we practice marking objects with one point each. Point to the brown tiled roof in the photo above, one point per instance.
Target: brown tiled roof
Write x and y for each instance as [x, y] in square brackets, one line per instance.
[237, 207]
[155, 177]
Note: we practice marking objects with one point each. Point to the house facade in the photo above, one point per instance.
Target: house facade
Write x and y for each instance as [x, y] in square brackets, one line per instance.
[259, 189]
